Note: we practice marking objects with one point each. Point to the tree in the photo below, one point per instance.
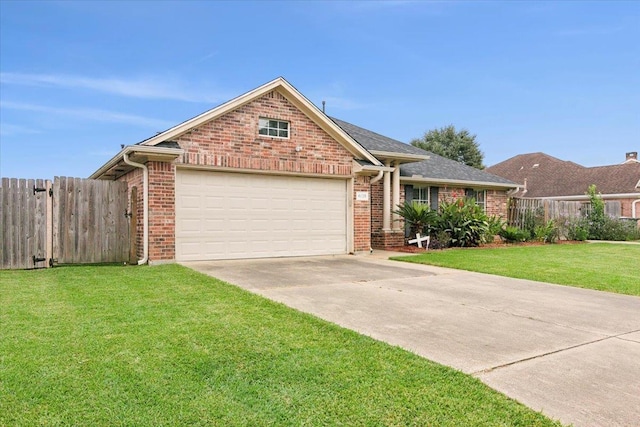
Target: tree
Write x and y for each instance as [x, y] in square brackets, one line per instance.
[447, 142]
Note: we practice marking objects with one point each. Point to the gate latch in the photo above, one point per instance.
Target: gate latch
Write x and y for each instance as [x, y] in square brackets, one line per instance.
[40, 190]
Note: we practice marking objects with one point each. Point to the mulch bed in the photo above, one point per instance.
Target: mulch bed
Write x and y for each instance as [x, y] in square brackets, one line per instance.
[416, 250]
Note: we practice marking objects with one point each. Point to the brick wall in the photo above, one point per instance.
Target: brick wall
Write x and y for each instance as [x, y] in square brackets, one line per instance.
[497, 203]
[361, 216]
[233, 141]
[450, 193]
[162, 212]
[376, 206]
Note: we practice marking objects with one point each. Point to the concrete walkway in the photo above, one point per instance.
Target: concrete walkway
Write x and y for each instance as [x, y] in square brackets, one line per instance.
[572, 353]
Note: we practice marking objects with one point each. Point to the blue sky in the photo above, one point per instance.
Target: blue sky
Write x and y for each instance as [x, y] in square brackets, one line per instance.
[77, 79]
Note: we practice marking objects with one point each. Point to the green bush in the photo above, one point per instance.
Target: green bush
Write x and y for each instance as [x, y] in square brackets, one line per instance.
[495, 225]
[547, 233]
[513, 234]
[532, 219]
[577, 229]
[619, 229]
[595, 215]
[464, 221]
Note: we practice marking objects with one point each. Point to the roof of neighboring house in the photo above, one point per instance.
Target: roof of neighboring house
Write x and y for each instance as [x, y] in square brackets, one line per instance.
[435, 169]
[547, 176]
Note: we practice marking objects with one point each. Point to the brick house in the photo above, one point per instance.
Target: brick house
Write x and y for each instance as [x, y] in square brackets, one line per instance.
[541, 176]
[268, 174]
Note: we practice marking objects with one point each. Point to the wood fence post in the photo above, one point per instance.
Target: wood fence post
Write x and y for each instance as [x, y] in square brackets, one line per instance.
[546, 211]
[49, 215]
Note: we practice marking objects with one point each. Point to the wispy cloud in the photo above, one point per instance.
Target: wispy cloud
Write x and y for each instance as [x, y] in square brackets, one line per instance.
[7, 129]
[140, 87]
[89, 114]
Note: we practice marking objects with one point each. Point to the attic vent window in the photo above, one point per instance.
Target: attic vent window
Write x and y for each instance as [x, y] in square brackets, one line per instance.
[272, 127]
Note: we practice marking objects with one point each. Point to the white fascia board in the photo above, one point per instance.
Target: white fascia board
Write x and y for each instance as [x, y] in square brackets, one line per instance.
[136, 149]
[483, 184]
[409, 158]
[370, 169]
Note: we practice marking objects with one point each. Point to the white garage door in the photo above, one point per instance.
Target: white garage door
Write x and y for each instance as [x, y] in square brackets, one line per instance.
[236, 215]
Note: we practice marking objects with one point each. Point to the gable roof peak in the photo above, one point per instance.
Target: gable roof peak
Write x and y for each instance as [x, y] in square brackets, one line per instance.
[292, 95]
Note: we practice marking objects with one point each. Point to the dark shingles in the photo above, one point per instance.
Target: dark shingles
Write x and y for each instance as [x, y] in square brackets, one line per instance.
[168, 144]
[436, 167]
[375, 142]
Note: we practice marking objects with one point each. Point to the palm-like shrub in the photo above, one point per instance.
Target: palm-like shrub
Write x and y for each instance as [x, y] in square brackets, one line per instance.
[419, 216]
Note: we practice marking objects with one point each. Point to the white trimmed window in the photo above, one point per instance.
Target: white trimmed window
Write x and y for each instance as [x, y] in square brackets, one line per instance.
[421, 195]
[272, 127]
[481, 198]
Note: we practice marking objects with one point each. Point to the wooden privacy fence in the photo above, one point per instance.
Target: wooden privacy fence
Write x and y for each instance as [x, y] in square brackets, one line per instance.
[72, 221]
[544, 209]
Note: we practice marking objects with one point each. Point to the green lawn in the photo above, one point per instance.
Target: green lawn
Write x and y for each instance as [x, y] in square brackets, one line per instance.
[601, 266]
[165, 346]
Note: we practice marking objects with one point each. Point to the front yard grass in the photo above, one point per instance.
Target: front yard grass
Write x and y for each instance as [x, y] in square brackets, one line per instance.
[602, 266]
[166, 346]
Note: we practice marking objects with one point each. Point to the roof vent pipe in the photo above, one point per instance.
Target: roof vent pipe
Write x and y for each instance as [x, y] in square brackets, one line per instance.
[145, 204]
[323, 102]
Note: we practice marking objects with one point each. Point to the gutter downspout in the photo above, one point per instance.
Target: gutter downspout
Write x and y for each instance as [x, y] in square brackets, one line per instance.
[377, 177]
[145, 191]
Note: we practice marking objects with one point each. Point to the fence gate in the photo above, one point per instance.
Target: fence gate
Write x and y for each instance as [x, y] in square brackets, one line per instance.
[73, 221]
[89, 221]
[25, 206]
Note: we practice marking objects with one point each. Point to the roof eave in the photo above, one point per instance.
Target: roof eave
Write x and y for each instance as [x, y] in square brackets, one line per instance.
[402, 157]
[359, 169]
[116, 167]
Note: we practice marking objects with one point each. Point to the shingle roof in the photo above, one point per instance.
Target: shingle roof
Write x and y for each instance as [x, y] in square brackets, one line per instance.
[375, 142]
[547, 176]
[435, 168]
[438, 167]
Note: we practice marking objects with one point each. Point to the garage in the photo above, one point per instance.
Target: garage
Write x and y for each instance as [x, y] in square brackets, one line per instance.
[222, 215]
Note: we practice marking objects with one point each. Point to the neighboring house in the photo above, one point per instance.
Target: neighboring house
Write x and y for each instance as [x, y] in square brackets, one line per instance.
[541, 176]
[269, 174]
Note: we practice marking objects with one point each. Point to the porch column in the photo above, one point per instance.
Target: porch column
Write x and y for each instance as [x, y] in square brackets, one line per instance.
[386, 196]
[396, 195]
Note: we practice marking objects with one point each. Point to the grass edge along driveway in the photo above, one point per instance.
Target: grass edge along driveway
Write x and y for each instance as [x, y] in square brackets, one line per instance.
[153, 346]
[600, 266]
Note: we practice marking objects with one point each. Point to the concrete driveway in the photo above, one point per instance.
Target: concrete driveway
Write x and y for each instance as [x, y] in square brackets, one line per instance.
[573, 354]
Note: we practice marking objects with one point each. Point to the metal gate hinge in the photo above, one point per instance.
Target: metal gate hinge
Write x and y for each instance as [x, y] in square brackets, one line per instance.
[35, 259]
[38, 190]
